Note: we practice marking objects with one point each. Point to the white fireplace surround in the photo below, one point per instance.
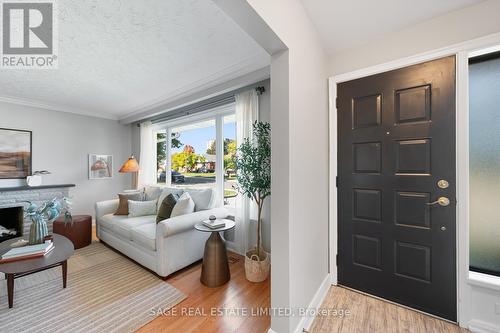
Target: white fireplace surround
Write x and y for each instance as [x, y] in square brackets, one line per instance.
[17, 196]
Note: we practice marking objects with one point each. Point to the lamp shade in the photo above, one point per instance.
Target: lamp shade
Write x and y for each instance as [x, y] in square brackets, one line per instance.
[130, 165]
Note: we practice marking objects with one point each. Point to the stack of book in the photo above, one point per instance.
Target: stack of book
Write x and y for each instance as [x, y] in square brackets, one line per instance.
[26, 252]
[214, 224]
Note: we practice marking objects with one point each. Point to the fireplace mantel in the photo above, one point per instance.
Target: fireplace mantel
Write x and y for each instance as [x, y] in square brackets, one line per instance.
[29, 188]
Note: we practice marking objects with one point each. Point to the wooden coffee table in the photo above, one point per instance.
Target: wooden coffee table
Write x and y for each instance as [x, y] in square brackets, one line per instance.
[215, 267]
[63, 250]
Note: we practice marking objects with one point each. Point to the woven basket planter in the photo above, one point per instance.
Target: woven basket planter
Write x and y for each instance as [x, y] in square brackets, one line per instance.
[257, 270]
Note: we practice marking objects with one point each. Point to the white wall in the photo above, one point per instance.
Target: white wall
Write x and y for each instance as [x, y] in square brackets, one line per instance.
[458, 26]
[61, 144]
[280, 188]
[299, 120]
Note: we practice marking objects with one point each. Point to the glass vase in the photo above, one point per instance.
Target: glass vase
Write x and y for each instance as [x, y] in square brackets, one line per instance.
[38, 231]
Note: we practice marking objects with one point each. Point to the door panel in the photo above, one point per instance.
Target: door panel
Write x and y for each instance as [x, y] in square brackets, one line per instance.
[396, 141]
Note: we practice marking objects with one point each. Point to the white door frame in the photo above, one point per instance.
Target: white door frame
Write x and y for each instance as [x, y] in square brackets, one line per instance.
[462, 52]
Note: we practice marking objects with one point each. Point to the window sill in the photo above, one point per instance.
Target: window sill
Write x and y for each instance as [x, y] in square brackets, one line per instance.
[484, 280]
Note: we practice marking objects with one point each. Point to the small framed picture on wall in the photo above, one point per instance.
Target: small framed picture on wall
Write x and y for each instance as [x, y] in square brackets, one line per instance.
[100, 166]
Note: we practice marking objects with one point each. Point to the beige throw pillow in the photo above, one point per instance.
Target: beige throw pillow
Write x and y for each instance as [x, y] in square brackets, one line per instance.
[124, 198]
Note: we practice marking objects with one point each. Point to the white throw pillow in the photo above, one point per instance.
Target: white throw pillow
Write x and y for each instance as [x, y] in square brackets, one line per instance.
[166, 191]
[141, 208]
[203, 198]
[185, 205]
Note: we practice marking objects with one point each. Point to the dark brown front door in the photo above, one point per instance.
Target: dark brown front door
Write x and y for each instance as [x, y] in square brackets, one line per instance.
[396, 144]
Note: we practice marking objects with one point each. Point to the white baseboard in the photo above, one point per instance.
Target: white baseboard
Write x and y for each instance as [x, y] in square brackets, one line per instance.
[333, 278]
[479, 326]
[306, 322]
[237, 251]
[270, 331]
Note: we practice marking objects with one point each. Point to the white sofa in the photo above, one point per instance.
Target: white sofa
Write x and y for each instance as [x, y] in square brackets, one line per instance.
[163, 247]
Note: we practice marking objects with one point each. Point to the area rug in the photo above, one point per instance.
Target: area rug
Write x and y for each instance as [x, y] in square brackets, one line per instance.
[106, 292]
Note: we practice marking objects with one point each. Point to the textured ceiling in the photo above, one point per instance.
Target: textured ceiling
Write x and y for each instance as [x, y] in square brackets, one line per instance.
[343, 24]
[119, 57]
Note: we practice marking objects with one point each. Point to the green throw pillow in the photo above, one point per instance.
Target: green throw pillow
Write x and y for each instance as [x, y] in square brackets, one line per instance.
[166, 207]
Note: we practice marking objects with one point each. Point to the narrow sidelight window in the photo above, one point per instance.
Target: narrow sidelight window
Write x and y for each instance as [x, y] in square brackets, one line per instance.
[484, 163]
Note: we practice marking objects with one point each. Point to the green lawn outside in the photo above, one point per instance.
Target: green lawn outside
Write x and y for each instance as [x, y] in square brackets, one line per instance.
[207, 175]
[229, 193]
[199, 174]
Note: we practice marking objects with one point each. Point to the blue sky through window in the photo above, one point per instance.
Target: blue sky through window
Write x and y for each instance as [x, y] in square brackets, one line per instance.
[199, 137]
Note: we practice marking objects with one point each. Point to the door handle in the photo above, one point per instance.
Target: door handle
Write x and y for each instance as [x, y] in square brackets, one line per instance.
[442, 201]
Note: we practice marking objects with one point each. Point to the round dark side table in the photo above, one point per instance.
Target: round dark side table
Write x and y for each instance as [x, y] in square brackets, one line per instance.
[79, 231]
[215, 266]
[63, 250]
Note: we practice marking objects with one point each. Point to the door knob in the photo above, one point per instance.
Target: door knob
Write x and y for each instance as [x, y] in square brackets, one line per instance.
[442, 201]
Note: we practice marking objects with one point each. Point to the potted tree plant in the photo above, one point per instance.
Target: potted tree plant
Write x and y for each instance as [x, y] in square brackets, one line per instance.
[253, 171]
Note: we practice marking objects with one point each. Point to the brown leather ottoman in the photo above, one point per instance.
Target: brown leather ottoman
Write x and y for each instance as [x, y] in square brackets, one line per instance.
[79, 231]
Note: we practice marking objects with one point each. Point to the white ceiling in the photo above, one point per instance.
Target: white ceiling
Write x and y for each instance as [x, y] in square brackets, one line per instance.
[117, 58]
[343, 24]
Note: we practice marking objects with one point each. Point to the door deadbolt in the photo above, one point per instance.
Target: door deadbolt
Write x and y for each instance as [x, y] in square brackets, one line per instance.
[443, 184]
[442, 201]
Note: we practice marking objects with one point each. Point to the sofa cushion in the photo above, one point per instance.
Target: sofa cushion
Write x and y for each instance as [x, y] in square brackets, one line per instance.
[122, 225]
[152, 192]
[145, 235]
[203, 198]
[107, 221]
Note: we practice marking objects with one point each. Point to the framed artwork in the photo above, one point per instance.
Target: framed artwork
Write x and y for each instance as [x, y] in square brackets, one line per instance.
[100, 166]
[15, 153]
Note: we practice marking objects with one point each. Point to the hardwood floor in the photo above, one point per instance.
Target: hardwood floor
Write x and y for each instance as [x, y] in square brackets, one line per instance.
[368, 314]
[238, 293]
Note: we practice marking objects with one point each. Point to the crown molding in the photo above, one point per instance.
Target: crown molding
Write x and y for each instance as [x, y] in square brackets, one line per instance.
[56, 107]
[202, 94]
[244, 67]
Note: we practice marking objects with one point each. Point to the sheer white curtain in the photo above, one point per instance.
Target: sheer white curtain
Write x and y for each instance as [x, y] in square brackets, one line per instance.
[247, 112]
[147, 171]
